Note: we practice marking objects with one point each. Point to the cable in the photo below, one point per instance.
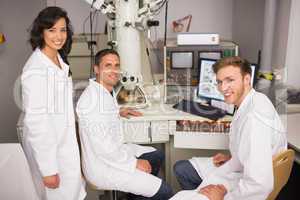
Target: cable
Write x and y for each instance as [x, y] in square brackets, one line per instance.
[87, 18]
[91, 45]
[84, 23]
[166, 23]
[155, 53]
[150, 63]
[162, 5]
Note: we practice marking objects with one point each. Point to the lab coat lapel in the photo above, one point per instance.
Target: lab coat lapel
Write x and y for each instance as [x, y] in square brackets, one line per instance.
[106, 101]
[53, 67]
[237, 121]
[244, 105]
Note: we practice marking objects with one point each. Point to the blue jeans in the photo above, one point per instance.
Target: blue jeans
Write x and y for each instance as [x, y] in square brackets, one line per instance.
[186, 175]
[165, 192]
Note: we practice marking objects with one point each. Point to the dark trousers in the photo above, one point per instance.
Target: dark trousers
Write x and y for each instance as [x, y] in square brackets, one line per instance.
[155, 158]
[186, 175]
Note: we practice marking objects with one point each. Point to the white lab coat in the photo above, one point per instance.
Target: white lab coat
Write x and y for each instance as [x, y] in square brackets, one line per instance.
[256, 134]
[107, 161]
[49, 137]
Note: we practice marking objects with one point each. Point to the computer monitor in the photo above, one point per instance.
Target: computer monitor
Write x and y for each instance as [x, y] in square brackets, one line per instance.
[207, 86]
[182, 59]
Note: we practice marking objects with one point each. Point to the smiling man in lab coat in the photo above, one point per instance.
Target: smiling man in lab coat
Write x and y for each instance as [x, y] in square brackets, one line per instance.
[107, 161]
[256, 134]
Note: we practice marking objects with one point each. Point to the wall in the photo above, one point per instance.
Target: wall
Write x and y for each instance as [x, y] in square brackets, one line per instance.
[208, 15]
[14, 22]
[78, 11]
[247, 27]
[292, 54]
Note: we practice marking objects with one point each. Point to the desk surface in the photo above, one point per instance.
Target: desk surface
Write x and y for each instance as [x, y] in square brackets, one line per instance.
[161, 112]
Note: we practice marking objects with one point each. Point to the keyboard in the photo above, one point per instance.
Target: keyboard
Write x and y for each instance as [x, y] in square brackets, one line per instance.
[199, 109]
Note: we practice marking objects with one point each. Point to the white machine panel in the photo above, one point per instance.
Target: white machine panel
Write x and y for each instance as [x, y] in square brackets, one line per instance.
[198, 39]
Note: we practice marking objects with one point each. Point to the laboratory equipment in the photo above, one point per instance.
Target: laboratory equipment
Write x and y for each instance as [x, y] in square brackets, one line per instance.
[198, 39]
[128, 22]
[181, 67]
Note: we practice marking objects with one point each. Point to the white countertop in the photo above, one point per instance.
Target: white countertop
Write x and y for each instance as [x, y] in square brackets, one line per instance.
[161, 112]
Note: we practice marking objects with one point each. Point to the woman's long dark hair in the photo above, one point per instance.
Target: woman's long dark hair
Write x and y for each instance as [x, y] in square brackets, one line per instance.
[45, 20]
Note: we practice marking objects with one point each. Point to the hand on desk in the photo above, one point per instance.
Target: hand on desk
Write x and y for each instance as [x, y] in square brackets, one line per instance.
[144, 165]
[214, 192]
[51, 181]
[126, 112]
[219, 159]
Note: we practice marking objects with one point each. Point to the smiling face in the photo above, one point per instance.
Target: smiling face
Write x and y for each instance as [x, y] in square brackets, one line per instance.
[55, 37]
[233, 84]
[108, 71]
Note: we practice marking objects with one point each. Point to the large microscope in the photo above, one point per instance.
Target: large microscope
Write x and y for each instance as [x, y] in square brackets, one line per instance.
[128, 23]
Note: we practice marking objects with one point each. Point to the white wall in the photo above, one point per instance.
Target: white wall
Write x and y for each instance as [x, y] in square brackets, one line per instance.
[292, 54]
[78, 11]
[15, 19]
[208, 15]
[248, 19]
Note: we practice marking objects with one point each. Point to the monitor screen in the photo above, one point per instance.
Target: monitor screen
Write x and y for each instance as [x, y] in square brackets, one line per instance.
[207, 86]
[182, 60]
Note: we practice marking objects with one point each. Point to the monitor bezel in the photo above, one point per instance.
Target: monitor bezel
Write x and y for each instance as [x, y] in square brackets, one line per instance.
[181, 68]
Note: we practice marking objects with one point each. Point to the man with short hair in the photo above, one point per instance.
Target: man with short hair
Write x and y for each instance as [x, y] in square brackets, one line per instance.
[256, 134]
[107, 161]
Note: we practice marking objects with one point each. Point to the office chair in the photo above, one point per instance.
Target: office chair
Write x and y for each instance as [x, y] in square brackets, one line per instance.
[282, 167]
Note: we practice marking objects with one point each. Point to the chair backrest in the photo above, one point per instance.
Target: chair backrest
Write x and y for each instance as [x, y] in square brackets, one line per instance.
[282, 167]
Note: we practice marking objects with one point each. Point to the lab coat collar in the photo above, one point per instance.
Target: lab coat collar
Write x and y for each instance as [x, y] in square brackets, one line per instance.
[244, 104]
[50, 63]
[100, 87]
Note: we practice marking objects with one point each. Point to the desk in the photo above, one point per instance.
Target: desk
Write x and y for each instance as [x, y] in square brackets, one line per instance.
[158, 125]
[293, 133]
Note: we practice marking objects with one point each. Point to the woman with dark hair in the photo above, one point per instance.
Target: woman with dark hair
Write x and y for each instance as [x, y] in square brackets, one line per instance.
[49, 136]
